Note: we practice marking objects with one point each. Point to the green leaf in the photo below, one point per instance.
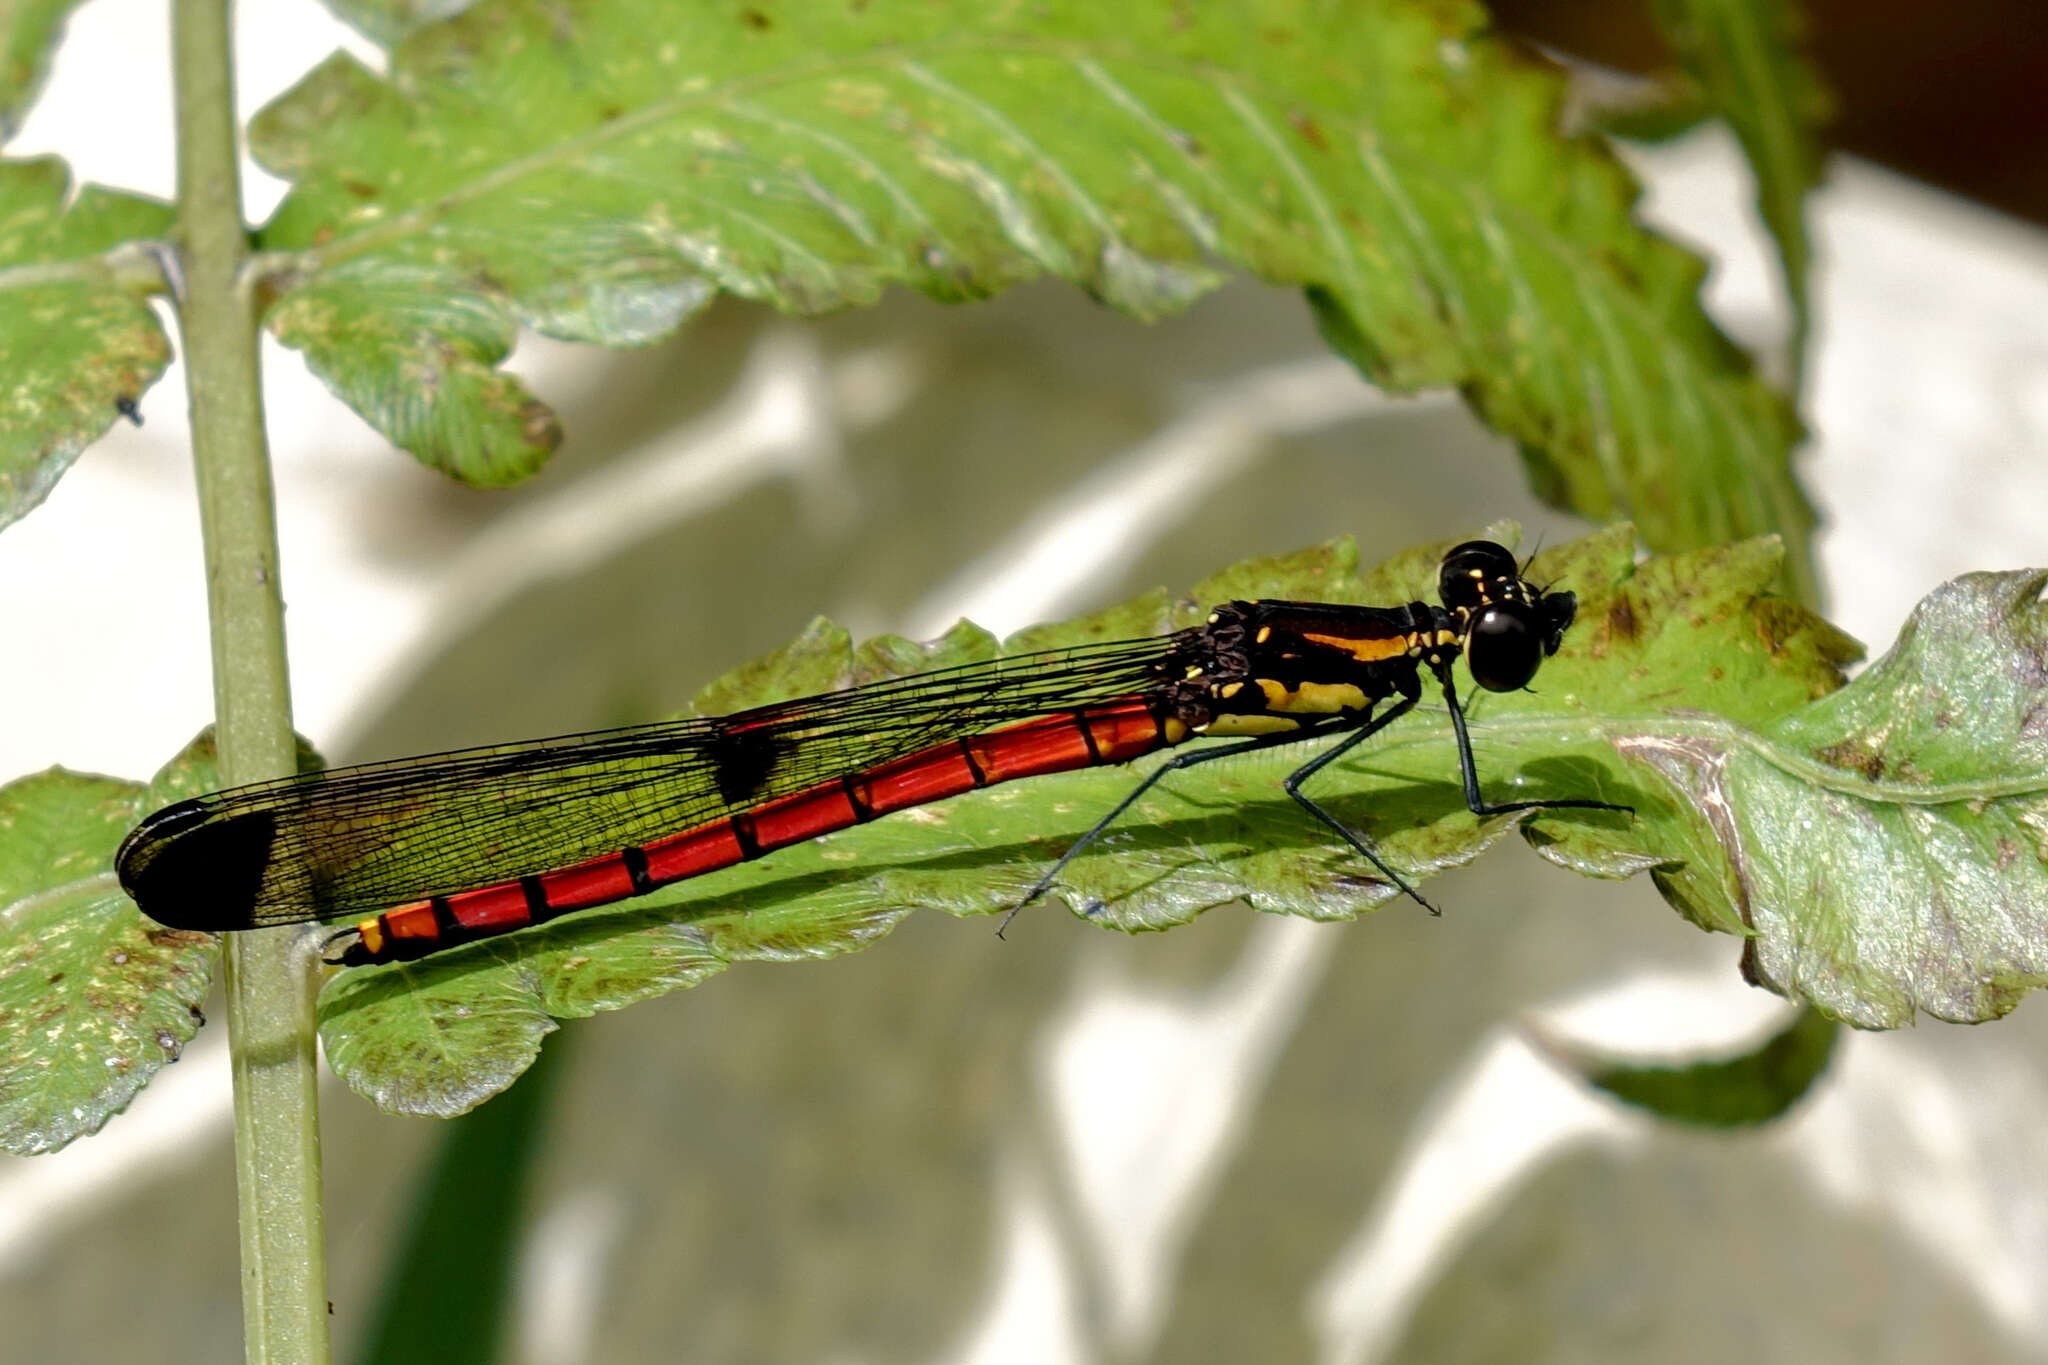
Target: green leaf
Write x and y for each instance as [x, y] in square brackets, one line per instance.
[892, 656]
[387, 21]
[420, 365]
[600, 171]
[816, 661]
[94, 999]
[465, 1226]
[440, 1035]
[1886, 848]
[77, 336]
[1652, 109]
[1880, 848]
[29, 32]
[1745, 56]
[1756, 1087]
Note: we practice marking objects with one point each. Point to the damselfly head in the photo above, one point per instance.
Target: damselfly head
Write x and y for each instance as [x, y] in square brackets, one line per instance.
[1475, 573]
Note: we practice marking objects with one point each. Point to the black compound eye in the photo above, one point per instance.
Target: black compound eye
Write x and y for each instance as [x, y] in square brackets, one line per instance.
[1558, 608]
[1503, 648]
[1470, 570]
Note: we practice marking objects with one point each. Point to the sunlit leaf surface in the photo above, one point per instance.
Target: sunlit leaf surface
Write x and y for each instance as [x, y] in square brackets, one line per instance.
[77, 335]
[94, 999]
[600, 171]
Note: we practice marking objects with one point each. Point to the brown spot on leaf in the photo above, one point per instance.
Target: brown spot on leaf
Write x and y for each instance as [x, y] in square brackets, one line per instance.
[361, 189]
[1621, 268]
[2030, 667]
[756, 20]
[1621, 622]
[1854, 755]
[538, 425]
[1311, 132]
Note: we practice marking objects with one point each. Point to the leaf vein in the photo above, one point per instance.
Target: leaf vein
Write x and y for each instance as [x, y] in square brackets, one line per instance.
[1332, 233]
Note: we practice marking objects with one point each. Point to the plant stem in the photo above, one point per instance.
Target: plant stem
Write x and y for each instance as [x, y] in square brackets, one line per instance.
[270, 976]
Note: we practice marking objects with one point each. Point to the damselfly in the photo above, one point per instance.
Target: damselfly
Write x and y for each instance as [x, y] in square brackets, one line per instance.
[456, 847]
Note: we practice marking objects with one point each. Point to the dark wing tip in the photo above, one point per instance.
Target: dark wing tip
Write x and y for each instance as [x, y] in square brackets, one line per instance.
[189, 867]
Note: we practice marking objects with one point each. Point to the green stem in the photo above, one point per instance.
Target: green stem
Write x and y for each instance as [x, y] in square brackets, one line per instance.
[270, 977]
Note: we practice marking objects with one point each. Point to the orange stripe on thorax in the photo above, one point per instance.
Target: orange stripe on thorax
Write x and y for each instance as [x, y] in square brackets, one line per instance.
[1364, 650]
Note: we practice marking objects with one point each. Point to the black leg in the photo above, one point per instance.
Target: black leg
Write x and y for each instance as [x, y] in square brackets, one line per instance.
[1186, 759]
[1469, 770]
[1292, 786]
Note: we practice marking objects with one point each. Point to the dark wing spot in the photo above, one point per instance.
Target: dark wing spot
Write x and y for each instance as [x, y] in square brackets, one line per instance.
[742, 760]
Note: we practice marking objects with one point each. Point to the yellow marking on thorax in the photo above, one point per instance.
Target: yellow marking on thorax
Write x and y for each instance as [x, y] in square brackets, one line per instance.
[1313, 699]
[372, 934]
[1173, 731]
[1248, 725]
[1365, 651]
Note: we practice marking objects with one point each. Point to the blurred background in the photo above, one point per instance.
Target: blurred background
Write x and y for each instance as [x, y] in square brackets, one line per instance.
[1245, 1140]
